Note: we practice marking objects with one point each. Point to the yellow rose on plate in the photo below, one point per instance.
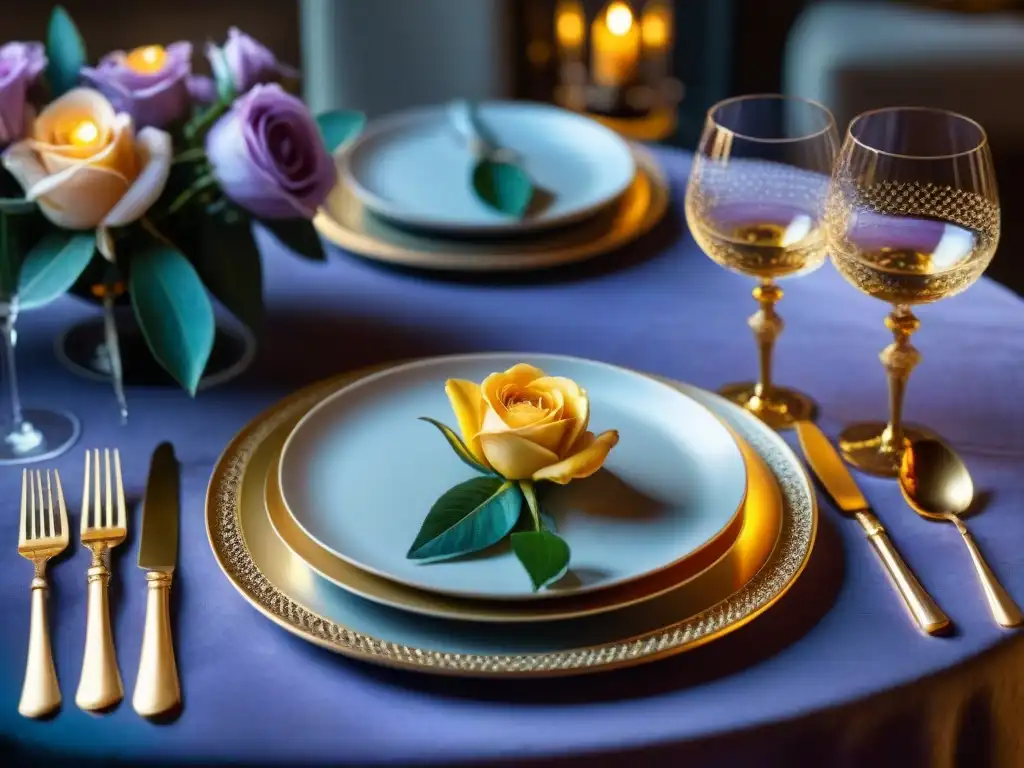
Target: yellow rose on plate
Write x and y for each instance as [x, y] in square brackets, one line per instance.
[85, 166]
[526, 425]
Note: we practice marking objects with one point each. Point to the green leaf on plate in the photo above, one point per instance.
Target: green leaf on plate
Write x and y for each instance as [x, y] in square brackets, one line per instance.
[230, 265]
[340, 126]
[173, 311]
[544, 555]
[458, 446]
[504, 186]
[298, 235]
[53, 265]
[65, 51]
[469, 517]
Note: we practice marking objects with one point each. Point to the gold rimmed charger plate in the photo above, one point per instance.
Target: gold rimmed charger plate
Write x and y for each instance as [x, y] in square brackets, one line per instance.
[346, 222]
[715, 568]
[267, 575]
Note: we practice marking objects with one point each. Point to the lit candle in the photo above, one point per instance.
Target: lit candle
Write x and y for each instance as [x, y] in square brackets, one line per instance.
[146, 60]
[657, 27]
[615, 47]
[569, 28]
[83, 134]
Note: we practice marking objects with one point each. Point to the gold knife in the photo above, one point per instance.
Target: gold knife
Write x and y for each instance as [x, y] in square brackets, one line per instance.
[157, 689]
[829, 467]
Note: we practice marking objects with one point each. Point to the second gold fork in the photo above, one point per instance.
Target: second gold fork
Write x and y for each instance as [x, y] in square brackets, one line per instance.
[104, 526]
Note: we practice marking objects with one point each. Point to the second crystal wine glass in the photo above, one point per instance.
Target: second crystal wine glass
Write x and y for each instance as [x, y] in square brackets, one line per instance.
[912, 217]
[754, 204]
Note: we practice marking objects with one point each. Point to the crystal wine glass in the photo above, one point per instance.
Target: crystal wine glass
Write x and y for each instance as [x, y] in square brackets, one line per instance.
[29, 434]
[754, 205]
[912, 217]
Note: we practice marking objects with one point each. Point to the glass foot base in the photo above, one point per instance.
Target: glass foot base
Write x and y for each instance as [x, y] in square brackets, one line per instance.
[861, 445]
[43, 435]
[82, 350]
[782, 410]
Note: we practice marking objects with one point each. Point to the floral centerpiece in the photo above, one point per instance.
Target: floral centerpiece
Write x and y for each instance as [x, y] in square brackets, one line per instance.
[149, 178]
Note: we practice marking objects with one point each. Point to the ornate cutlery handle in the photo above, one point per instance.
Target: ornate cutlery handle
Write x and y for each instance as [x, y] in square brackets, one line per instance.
[40, 694]
[100, 685]
[156, 688]
[1004, 610]
[926, 612]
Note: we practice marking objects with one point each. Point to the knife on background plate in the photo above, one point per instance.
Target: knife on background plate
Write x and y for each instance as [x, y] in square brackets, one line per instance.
[830, 469]
[157, 689]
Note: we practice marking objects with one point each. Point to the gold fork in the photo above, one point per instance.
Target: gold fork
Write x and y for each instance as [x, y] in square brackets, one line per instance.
[38, 541]
[102, 529]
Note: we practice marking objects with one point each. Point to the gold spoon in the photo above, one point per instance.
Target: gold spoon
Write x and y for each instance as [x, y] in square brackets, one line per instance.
[936, 484]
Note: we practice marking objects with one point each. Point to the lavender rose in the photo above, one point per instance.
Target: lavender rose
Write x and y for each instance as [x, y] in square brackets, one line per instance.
[249, 62]
[268, 156]
[150, 83]
[20, 66]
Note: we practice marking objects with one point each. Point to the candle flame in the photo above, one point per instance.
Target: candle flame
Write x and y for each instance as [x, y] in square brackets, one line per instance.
[569, 27]
[147, 59]
[86, 132]
[655, 31]
[619, 19]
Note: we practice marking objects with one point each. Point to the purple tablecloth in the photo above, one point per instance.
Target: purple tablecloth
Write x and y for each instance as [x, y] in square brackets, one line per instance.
[835, 674]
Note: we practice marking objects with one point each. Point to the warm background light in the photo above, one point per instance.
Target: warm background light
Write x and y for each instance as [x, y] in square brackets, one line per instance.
[84, 133]
[655, 31]
[619, 19]
[147, 59]
[569, 28]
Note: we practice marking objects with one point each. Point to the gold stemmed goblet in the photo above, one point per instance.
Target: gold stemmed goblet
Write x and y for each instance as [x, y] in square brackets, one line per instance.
[754, 204]
[912, 217]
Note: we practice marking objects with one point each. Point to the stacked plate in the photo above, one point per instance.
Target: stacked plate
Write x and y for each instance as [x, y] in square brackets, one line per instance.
[700, 519]
[405, 194]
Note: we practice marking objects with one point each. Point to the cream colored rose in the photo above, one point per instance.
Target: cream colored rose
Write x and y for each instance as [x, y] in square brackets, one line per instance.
[84, 165]
[526, 425]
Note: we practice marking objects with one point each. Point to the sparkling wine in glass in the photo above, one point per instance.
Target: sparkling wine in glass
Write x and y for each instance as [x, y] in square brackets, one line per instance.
[912, 218]
[755, 203]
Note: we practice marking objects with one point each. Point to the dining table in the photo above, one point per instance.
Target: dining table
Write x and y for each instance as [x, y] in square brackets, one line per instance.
[835, 674]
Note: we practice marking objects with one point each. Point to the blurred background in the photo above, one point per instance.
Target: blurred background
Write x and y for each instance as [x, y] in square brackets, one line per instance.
[383, 55]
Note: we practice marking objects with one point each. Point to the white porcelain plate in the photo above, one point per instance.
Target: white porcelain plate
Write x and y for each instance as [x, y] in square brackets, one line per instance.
[360, 472]
[414, 168]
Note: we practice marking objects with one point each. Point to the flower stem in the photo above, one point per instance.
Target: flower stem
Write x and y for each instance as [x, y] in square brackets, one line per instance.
[190, 156]
[531, 501]
[201, 185]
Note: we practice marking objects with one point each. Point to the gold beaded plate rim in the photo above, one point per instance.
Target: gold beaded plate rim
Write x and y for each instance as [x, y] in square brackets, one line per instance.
[634, 214]
[786, 562]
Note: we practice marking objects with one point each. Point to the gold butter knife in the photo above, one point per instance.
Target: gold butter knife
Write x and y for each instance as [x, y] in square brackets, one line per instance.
[157, 689]
[829, 467]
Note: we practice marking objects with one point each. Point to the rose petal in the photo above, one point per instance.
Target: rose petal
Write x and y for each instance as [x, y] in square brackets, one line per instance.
[23, 164]
[155, 155]
[549, 435]
[62, 115]
[591, 456]
[468, 405]
[514, 457]
[577, 406]
[79, 197]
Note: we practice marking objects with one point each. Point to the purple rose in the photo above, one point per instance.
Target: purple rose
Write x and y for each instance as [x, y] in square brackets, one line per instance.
[150, 83]
[249, 62]
[268, 155]
[20, 66]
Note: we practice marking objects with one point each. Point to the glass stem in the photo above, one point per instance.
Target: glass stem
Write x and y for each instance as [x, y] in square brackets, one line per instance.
[766, 325]
[8, 317]
[899, 359]
[114, 354]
